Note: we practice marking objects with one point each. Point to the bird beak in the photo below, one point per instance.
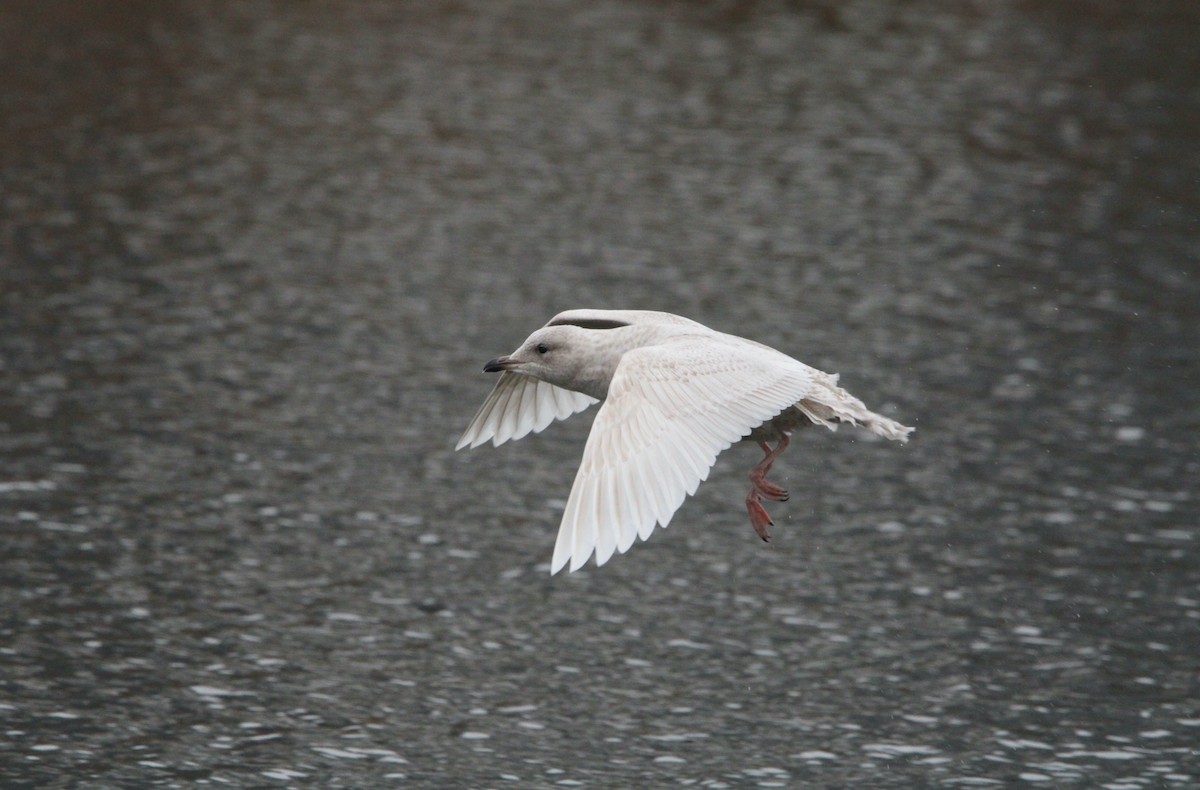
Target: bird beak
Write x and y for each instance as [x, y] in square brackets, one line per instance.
[499, 364]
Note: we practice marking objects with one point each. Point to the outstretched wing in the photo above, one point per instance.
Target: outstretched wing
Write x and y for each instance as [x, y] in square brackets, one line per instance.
[671, 409]
[518, 405]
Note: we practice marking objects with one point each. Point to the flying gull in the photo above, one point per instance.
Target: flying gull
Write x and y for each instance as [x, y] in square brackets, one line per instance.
[675, 394]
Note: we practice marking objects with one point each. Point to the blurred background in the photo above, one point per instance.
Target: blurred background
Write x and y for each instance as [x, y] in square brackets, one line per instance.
[254, 255]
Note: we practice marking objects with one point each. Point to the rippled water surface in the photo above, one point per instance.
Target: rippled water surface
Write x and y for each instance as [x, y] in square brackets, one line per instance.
[253, 257]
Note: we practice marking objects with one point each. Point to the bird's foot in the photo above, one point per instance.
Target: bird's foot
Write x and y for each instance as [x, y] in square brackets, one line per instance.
[760, 519]
[767, 488]
[761, 487]
[758, 475]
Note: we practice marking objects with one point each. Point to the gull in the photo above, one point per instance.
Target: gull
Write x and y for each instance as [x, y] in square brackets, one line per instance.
[675, 395]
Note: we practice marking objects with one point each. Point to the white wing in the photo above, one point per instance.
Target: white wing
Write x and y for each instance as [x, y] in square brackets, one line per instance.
[518, 405]
[671, 409]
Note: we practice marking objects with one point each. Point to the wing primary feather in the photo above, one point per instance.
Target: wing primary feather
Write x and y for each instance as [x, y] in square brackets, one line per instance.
[562, 543]
[499, 412]
[544, 409]
[663, 496]
[630, 508]
[475, 434]
[494, 407]
[583, 519]
[606, 541]
[638, 479]
[563, 406]
[676, 488]
[599, 533]
[585, 529]
[610, 516]
[527, 409]
[510, 418]
[565, 540]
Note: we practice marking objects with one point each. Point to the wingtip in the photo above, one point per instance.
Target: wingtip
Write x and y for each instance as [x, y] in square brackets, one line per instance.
[560, 557]
[470, 440]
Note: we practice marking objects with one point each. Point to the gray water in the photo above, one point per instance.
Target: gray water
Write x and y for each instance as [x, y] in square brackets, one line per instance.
[253, 257]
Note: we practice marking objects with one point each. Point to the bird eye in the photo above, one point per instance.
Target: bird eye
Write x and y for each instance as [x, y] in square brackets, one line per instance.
[542, 348]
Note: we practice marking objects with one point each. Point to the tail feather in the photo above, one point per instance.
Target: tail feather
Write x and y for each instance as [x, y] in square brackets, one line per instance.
[829, 405]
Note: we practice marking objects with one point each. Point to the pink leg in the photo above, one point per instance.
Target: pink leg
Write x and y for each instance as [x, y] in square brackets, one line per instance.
[760, 487]
[758, 475]
[760, 519]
